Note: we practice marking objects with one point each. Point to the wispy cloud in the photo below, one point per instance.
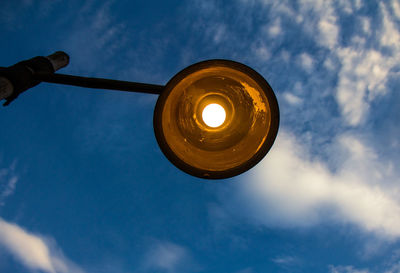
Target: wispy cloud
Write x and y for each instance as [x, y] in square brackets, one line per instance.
[346, 269]
[365, 68]
[94, 37]
[361, 79]
[365, 71]
[292, 99]
[391, 265]
[12, 11]
[286, 260]
[8, 182]
[34, 251]
[246, 270]
[307, 62]
[166, 256]
[288, 263]
[391, 268]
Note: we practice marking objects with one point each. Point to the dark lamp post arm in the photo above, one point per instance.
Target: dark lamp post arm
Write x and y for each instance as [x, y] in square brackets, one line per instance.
[24, 75]
[98, 83]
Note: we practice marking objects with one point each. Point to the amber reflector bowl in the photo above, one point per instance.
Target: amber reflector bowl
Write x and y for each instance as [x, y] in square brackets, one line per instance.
[248, 130]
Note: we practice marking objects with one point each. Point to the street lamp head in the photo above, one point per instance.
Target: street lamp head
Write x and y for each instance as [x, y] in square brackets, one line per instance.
[216, 119]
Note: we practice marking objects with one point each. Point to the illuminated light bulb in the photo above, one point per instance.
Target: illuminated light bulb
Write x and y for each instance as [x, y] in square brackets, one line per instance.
[214, 115]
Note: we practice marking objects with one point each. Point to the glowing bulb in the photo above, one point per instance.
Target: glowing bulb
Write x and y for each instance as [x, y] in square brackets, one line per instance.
[214, 115]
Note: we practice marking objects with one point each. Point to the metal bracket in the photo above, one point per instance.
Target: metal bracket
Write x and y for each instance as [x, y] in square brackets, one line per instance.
[20, 76]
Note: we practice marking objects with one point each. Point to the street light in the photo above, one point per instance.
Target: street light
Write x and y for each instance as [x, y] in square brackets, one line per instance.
[214, 119]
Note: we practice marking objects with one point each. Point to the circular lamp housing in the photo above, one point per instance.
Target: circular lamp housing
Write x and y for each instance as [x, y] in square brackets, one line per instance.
[231, 148]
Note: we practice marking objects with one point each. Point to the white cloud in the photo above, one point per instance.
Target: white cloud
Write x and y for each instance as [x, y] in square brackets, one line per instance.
[8, 189]
[262, 53]
[246, 270]
[33, 251]
[350, 6]
[29, 249]
[346, 269]
[396, 8]
[362, 77]
[321, 16]
[290, 188]
[366, 25]
[14, 12]
[283, 260]
[286, 261]
[328, 31]
[8, 182]
[365, 72]
[390, 35]
[285, 56]
[362, 72]
[393, 268]
[168, 257]
[292, 99]
[95, 37]
[275, 29]
[283, 7]
[330, 65]
[306, 62]
[219, 33]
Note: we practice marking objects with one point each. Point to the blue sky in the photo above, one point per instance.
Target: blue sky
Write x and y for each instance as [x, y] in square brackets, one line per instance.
[85, 188]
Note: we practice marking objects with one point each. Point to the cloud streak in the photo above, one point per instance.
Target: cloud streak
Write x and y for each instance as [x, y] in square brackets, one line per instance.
[8, 182]
[168, 257]
[346, 269]
[33, 251]
[95, 37]
[394, 268]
